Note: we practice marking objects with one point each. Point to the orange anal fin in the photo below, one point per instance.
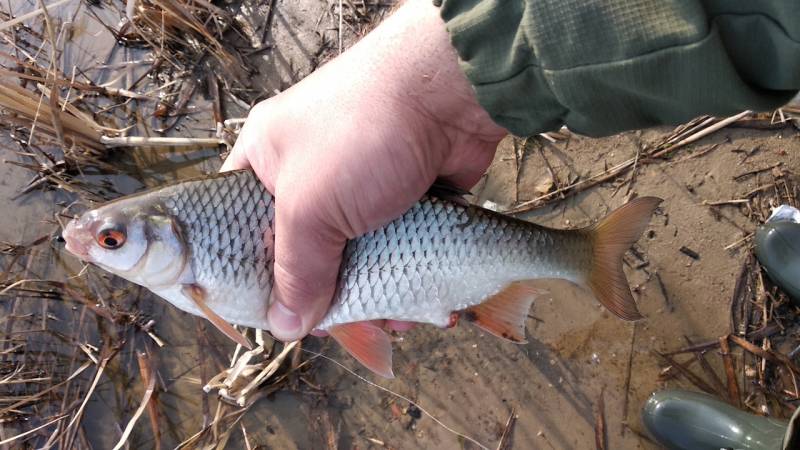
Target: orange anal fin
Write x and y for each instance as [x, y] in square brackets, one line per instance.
[198, 296]
[367, 343]
[504, 313]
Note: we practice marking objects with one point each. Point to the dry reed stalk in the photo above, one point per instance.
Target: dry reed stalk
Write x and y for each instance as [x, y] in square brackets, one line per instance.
[150, 381]
[26, 104]
[506, 439]
[140, 141]
[30, 15]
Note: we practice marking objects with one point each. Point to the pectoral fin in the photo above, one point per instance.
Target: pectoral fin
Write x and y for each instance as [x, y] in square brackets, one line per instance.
[367, 343]
[198, 296]
[504, 313]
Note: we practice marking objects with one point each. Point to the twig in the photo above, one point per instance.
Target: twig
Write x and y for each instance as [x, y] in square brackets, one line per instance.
[736, 201]
[550, 170]
[633, 169]
[77, 416]
[506, 442]
[689, 252]
[663, 289]
[759, 189]
[574, 188]
[34, 430]
[135, 141]
[627, 383]
[600, 438]
[149, 376]
[766, 354]
[730, 372]
[698, 154]
[758, 334]
[701, 359]
[694, 379]
[271, 368]
[42, 393]
[328, 430]
[55, 111]
[755, 171]
[246, 439]
[144, 404]
[30, 15]
[703, 133]
[517, 166]
[341, 14]
[739, 242]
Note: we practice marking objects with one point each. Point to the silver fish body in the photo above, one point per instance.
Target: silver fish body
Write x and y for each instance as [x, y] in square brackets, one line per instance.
[436, 258]
[206, 246]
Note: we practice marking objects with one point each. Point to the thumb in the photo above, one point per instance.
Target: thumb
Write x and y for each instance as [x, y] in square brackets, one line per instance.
[308, 254]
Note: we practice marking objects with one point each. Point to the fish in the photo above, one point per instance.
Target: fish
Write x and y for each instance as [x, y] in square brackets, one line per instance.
[206, 245]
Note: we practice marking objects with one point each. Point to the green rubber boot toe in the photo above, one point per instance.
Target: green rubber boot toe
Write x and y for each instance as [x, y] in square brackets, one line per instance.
[683, 420]
[778, 251]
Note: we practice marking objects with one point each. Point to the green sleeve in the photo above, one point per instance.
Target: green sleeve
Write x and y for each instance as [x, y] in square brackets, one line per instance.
[601, 67]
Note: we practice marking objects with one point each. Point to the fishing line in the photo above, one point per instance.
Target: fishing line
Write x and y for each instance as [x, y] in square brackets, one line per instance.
[400, 396]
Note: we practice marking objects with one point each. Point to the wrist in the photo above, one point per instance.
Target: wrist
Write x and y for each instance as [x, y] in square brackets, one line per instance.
[412, 53]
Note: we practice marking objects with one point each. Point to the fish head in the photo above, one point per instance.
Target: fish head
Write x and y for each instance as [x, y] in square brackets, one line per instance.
[134, 240]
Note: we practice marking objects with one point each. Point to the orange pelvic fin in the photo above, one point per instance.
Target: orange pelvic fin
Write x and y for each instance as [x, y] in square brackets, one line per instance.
[367, 343]
[504, 313]
[198, 296]
[612, 237]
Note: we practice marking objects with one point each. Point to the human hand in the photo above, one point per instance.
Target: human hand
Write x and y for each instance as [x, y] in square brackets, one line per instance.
[353, 146]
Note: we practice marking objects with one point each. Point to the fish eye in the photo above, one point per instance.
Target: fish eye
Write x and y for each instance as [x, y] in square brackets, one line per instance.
[111, 237]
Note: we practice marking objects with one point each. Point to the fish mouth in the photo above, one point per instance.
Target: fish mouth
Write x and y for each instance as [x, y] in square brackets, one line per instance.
[76, 240]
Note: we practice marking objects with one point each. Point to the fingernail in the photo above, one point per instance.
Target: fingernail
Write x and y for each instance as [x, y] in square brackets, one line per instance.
[283, 322]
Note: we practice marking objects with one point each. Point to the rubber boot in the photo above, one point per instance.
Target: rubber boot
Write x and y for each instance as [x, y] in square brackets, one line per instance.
[684, 420]
[778, 251]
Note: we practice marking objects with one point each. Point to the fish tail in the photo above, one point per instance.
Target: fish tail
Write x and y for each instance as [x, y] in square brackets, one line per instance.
[611, 238]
